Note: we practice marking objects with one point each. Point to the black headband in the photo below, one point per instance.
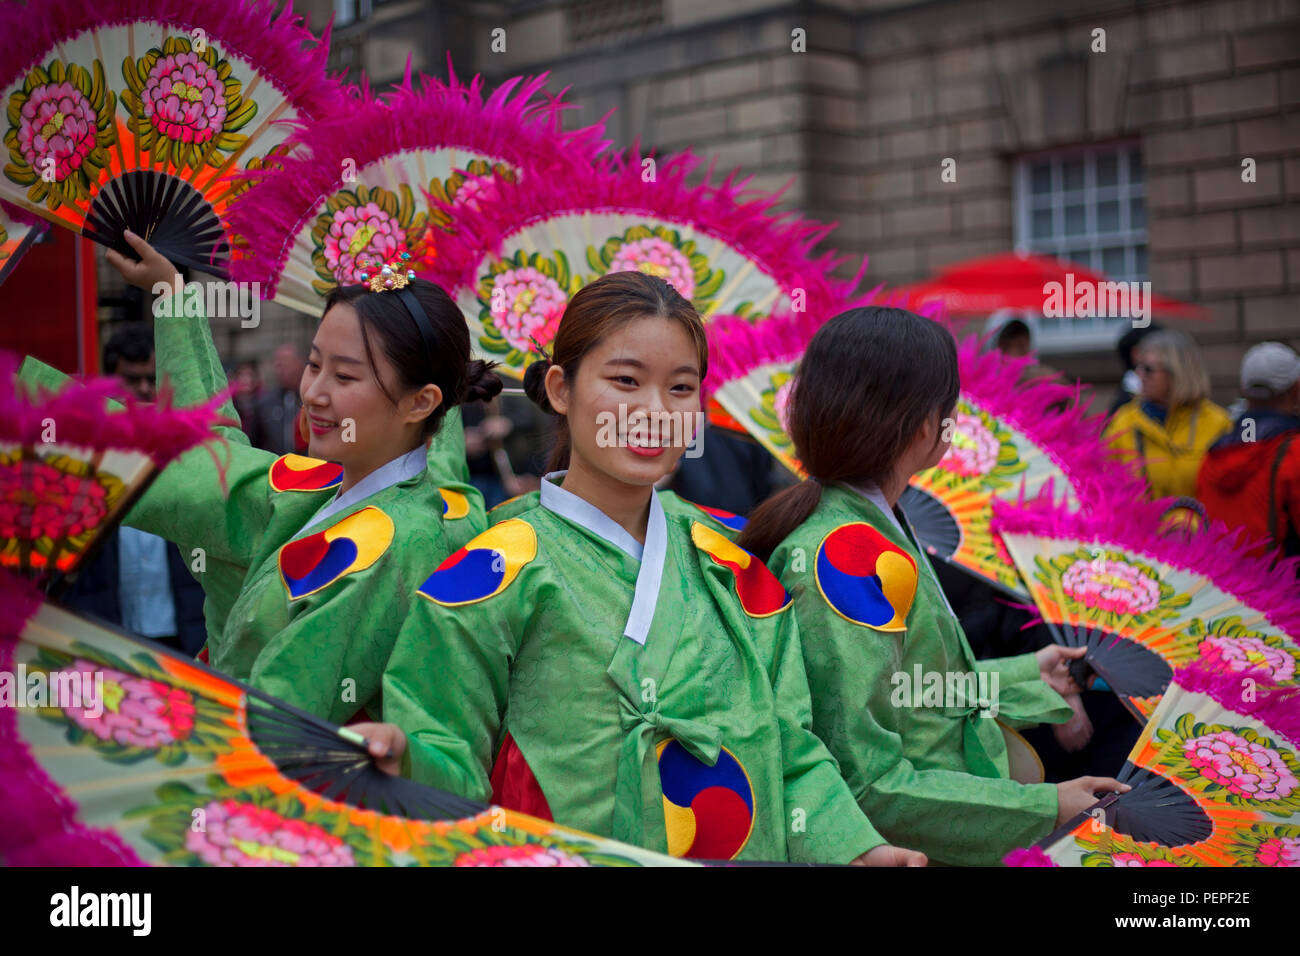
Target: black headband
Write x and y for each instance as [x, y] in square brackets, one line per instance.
[421, 320]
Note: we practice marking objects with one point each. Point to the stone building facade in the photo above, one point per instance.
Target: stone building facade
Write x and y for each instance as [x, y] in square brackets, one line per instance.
[857, 103]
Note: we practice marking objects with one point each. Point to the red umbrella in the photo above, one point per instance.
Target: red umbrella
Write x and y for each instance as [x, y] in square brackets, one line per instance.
[1017, 280]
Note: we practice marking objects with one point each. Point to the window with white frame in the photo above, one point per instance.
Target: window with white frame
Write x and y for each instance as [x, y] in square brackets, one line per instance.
[1086, 206]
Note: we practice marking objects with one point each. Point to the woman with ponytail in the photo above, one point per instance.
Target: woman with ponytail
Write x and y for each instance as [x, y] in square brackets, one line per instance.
[604, 656]
[915, 722]
[309, 564]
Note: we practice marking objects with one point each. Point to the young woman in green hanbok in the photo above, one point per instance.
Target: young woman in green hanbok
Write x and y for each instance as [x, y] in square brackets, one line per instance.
[611, 660]
[867, 411]
[309, 564]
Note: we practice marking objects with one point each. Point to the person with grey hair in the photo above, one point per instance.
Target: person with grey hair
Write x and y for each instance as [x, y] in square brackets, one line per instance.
[1251, 477]
[1163, 433]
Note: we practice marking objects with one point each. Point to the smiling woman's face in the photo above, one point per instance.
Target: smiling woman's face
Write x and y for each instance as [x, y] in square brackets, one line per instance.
[634, 404]
[350, 419]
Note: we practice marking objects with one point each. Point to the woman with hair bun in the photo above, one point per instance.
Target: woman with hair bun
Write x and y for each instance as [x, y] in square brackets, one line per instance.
[309, 564]
[874, 394]
[607, 658]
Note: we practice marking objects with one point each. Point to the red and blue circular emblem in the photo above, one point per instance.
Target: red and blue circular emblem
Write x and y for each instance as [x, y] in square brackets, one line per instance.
[760, 593]
[866, 578]
[484, 567]
[708, 811]
[299, 473]
[349, 546]
[724, 518]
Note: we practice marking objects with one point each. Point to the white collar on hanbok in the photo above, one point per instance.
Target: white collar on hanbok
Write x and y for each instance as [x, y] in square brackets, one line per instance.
[651, 555]
[385, 476]
[872, 493]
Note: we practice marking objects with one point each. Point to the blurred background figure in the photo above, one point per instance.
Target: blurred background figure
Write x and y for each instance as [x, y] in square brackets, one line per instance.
[731, 472]
[128, 355]
[1011, 332]
[1130, 384]
[139, 581]
[490, 470]
[246, 377]
[1164, 431]
[277, 412]
[1251, 477]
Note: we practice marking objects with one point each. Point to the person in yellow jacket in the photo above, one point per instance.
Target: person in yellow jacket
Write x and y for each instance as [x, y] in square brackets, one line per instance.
[1163, 433]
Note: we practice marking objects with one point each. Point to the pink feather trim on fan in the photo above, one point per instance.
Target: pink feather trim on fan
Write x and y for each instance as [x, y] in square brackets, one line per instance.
[40, 827]
[162, 432]
[1215, 552]
[1033, 856]
[278, 44]
[1275, 706]
[517, 123]
[780, 244]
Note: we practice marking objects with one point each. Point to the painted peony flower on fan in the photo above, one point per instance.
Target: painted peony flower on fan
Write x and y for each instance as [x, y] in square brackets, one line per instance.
[974, 449]
[356, 236]
[1246, 768]
[136, 712]
[656, 257]
[240, 834]
[1111, 585]
[185, 98]
[527, 855]
[526, 305]
[1246, 653]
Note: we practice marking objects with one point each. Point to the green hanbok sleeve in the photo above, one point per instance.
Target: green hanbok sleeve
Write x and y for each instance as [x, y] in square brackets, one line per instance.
[1025, 692]
[329, 658]
[953, 817]
[826, 823]
[448, 677]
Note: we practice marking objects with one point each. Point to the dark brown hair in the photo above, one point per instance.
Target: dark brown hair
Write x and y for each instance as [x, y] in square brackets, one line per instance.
[869, 380]
[384, 316]
[593, 313]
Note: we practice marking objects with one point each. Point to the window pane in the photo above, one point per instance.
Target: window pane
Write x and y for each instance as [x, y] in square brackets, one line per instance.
[1082, 257]
[1107, 171]
[1108, 216]
[1113, 263]
[1072, 173]
[1137, 214]
[1075, 220]
[1140, 254]
[1042, 224]
[1135, 167]
[1041, 178]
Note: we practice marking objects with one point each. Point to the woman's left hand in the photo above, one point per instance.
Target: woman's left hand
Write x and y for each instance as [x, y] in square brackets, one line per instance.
[1054, 667]
[886, 855]
[152, 270]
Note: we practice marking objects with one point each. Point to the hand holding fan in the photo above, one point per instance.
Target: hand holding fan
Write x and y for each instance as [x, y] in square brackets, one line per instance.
[390, 174]
[137, 114]
[1215, 778]
[148, 758]
[1146, 600]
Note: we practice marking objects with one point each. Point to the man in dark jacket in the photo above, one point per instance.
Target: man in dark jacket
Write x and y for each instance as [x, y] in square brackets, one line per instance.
[1251, 476]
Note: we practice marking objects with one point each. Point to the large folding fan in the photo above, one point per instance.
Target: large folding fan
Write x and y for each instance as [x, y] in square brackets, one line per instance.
[1146, 599]
[116, 751]
[1010, 438]
[140, 114]
[70, 469]
[1215, 778]
[391, 174]
[519, 254]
